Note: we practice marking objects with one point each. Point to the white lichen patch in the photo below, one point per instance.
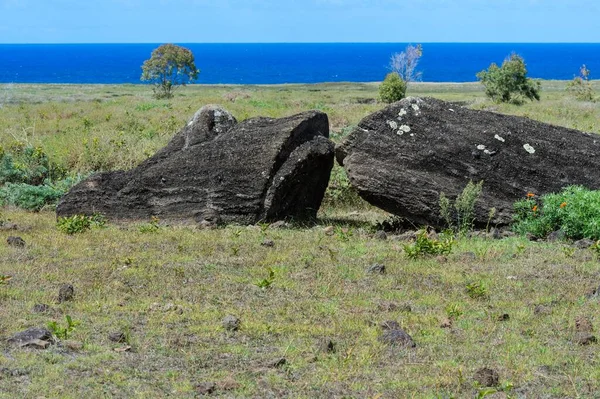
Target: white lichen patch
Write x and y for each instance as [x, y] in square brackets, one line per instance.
[415, 107]
[529, 148]
[488, 152]
[392, 124]
[499, 138]
[402, 113]
[404, 129]
[450, 109]
[481, 147]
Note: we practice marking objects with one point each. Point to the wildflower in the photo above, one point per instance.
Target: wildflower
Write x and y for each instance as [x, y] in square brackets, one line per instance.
[535, 208]
[530, 195]
[563, 205]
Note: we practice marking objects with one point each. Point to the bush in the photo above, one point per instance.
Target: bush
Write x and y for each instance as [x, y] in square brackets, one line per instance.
[581, 86]
[424, 245]
[461, 219]
[80, 223]
[340, 192]
[392, 89]
[575, 211]
[509, 83]
[21, 163]
[34, 198]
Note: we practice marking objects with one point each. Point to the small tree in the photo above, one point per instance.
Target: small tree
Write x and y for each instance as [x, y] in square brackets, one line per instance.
[169, 66]
[405, 63]
[509, 83]
[581, 85]
[392, 89]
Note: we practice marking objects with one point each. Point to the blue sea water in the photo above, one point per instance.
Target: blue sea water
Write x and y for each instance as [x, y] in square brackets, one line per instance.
[286, 63]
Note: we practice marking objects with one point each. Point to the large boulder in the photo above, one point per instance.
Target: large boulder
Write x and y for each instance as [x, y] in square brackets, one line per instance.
[402, 157]
[221, 170]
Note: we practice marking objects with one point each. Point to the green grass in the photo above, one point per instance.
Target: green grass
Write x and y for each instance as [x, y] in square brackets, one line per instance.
[169, 290]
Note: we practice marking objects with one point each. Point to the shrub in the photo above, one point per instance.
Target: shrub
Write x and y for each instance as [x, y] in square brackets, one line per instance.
[509, 83]
[575, 211]
[424, 245]
[392, 89]
[340, 192]
[21, 163]
[581, 86]
[34, 198]
[80, 223]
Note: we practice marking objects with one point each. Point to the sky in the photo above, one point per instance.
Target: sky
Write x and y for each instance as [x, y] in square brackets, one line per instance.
[233, 21]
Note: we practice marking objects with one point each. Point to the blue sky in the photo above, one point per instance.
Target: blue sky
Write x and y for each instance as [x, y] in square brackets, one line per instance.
[189, 21]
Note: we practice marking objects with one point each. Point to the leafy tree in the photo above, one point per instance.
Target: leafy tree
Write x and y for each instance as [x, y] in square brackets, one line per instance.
[581, 85]
[405, 63]
[509, 83]
[392, 89]
[169, 66]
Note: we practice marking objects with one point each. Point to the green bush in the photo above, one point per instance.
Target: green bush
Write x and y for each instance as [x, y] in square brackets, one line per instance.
[392, 89]
[575, 211]
[340, 192]
[509, 83]
[80, 223]
[461, 218]
[21, 163]
[34, 198]
[424, 245]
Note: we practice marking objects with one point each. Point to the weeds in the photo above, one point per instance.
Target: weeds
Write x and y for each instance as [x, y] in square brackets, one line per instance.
[424, 245]
[266, 283]
[63, 332]
[80, 223]
[151, 227]
[460, 215]
[477, 290]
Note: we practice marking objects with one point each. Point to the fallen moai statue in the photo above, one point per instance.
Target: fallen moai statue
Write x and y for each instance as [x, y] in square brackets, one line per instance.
[219, 170]
[401, 158]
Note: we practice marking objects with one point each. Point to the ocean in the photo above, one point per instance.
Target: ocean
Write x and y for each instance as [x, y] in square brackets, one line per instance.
[287, 62]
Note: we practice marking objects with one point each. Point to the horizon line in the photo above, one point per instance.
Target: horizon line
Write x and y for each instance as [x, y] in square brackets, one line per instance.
[333, 42]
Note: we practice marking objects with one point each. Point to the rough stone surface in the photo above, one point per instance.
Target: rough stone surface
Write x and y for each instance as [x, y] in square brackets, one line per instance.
[231, 323]
[218, 171]
[487, 377]
[35, 337]
[376, 268]
[66, 293]
[15, 241]
[584, 243]
[394, 335]
[401, 158]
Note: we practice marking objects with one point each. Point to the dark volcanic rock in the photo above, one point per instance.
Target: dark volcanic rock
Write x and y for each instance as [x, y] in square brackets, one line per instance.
[402, 157]
[34, 337]
[66, 293]
[393, 334]
[15, 241]
[217, 171]
[487, 377]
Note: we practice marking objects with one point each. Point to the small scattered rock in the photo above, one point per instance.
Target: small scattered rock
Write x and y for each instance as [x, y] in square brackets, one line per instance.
[555, 236]
[394, 335]
[542, 310]
[276, 363]
[206, 388]
[15, 241]
[583, 324]
[446, 323]
[380, 235]
[585, 339]
[487, 377]
[126, 348]
[117, 336]
[280, 224]
[406, 236]
[326, 345]
[329, 230]
[40, 308]
[210, 219]
[73, 345]
[495, 234]
[584, 243]
[66, 293]
[231, 323]
[34, 337]
[268, 243]
[376, 269]
[508, 234]
[388, 306]
[7, 226]
[504, 317]
[531, 237]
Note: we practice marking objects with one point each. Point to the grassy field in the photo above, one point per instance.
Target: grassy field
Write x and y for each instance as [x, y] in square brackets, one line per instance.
[515, 306]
